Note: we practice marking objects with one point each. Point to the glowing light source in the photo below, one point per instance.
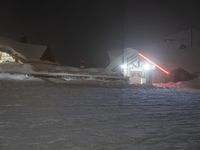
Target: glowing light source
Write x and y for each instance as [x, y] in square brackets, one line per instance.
[125, 69]
[148, 67]
[5, 57]
[153, 63]
[123, 66]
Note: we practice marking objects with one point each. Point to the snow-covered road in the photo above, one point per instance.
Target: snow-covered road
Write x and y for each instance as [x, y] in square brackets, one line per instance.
[48, 116]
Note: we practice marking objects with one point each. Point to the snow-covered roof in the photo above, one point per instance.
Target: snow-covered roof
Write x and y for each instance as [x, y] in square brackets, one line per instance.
[28, 51]
[117, 58]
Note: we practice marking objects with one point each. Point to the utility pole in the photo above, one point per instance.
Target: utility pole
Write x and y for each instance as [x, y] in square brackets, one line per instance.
[122, 27]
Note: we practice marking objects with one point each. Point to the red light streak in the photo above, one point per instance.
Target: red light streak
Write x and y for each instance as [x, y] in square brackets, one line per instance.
[150, 61]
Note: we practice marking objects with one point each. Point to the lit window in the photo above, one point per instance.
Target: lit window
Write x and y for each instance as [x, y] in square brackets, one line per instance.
[5, 57]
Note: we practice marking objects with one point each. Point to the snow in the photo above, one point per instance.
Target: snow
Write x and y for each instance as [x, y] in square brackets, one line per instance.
[192, 84]
[195, 84]
[49, 116]
[52, 70]
[18, 77]
[16, 68]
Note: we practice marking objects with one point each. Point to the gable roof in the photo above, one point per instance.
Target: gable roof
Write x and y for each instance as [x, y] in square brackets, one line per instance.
[27, 51]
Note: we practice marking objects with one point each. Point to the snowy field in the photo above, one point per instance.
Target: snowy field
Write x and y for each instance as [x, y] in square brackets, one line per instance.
[50, 116]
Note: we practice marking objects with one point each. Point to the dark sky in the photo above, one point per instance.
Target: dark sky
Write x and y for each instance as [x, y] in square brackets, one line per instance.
[84, 29]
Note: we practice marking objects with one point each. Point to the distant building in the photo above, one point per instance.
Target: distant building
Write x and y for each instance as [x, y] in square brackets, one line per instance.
[13, 51]
[179, 50]
[133, 66]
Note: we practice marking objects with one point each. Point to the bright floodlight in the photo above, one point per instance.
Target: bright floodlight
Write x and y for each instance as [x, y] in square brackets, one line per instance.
[153, 63]
[123, 66]
[148, 66]
[153, 67]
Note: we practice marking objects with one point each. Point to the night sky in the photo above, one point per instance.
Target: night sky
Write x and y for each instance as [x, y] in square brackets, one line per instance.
[77, 30]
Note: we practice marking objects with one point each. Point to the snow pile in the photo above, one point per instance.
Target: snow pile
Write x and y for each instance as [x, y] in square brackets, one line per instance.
[19, 77]
[67, 69]
[165, 85]
[190, 84]
[181, 84]
[16, 68]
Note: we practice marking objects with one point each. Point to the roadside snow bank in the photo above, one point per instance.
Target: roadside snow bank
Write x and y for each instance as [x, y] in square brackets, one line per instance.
[182, 84]
[20, 77]
[190, 84]
[16, 68]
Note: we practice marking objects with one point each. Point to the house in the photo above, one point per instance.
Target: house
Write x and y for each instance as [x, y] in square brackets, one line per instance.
[18, 52]
[133, 65]
[178, 50]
